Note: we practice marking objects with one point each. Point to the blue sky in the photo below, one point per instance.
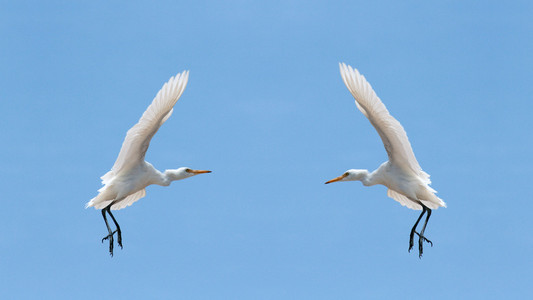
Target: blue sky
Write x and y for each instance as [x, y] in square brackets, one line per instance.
[266, 110]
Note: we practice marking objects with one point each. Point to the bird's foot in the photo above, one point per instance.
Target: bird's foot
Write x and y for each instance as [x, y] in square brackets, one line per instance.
[425, 239]
[411, 243]
[109, 236]
[421, 241]
[119, 239]
[111, 241]
[420, 247]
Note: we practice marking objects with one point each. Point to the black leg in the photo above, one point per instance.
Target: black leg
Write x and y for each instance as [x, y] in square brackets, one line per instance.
[412, 235]
[110, 235]
[421, 237]
[119, 233]
[425, 239]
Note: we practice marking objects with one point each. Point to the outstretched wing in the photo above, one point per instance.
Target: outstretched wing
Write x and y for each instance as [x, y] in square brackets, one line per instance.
[389, 129]
[138, 137]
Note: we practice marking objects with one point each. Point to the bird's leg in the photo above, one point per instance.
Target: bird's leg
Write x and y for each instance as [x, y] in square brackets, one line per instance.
[421, 236]
[119, 233]
[110, 235]
[412, 235]
[424, 238]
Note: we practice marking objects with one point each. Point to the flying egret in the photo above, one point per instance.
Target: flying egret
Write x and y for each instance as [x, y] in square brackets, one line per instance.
[402, 174]
[131, 174]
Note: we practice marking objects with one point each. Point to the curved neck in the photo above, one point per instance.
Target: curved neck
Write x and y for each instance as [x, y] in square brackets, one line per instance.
[368, 179]
[171, 175]
[365, 177]
[373, 178]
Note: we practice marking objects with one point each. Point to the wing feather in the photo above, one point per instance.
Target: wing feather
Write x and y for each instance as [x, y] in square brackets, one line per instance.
[389, 129]
[432, 202]
[139, 136]
[129, 200]
[404, 201]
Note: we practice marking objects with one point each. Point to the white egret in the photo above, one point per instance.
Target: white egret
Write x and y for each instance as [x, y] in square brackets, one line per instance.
[402, 175]
[131, 174]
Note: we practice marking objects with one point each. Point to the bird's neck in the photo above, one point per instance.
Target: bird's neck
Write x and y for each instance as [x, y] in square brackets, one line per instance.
[369, 179]
[168, 176]
[161, 179]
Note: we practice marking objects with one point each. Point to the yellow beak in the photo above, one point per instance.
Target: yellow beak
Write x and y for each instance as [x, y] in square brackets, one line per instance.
[199, 171]
[336, 179]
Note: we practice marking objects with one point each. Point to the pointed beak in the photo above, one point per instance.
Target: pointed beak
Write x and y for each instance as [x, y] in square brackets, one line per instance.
[336, 179]
[199, 171]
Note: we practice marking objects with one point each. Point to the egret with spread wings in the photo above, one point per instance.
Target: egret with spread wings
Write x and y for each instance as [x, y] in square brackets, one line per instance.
[402, 175]
[131, 174]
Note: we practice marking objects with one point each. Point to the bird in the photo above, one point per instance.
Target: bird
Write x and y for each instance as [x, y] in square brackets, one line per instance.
[407, 183]
[125, 183]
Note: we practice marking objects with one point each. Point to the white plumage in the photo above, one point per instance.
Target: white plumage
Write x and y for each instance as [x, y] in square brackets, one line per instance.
[402, 174]
[125, 183]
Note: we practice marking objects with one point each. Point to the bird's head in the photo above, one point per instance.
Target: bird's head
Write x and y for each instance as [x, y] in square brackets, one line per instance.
[183, 172]
[350, 175]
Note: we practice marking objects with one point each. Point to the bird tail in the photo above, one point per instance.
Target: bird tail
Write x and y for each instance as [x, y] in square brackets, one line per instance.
[91, 203]
[98, 202]
[429, 198]
[104, 198]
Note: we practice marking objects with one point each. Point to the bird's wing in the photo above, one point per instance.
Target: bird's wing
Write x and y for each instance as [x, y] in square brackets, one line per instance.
[432, 202]
[404, 201]
[129, 200]
[389, 129]
[138, 137]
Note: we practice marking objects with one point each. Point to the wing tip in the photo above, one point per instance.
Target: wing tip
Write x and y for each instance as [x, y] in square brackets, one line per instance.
[182, 78]
[342, 67]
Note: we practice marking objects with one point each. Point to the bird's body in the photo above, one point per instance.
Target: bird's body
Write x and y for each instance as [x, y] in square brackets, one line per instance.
[125, 183]
[401, 174]
[405, 187]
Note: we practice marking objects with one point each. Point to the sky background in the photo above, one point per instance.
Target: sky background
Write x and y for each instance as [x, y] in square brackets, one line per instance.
[267, 111]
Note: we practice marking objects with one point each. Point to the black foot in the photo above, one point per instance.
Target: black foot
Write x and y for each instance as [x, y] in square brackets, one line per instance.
[109, 236]
[420, 248]
[421, 237]
[421, 241]
[111, 241]
[425, 239]
[119, 241]
[411, 243]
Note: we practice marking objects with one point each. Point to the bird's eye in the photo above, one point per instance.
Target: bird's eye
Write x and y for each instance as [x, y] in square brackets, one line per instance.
[188, 170]
[346, 174]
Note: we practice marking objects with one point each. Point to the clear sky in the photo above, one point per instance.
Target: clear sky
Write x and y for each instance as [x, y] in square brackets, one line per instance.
[267, 111]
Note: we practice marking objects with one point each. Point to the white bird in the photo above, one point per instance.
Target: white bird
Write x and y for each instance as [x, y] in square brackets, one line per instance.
[131, 174]
[402, 175]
